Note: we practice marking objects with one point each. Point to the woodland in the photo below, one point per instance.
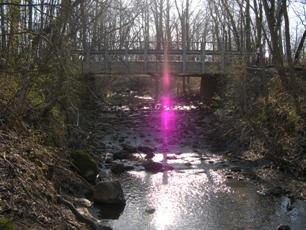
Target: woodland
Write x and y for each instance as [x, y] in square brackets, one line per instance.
[48, 103]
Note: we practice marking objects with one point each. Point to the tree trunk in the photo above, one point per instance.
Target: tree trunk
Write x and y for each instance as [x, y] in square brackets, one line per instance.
[287, 34]
[248, 27]
[300, 48]
[3, 32]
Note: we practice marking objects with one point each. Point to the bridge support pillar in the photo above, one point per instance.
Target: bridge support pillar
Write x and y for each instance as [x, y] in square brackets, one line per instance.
[208, 87]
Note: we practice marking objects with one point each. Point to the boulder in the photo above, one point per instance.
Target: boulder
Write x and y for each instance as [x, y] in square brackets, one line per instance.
[150, 210]
[85, 165]
[121, 155]
[129, 148]
[118, 168]
[153, 166]
[108, 192]
[171, 158]
[149, 155]
[235, 169]
[109, 211]
[108, 158]
[146, 149]
[121, 139]
[276, 191]
[125, 153]
[283, 227]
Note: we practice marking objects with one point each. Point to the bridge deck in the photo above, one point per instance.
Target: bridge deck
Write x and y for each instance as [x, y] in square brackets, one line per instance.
[151, 61]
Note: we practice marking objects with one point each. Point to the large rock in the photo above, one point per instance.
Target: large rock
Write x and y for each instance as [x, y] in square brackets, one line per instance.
[121, 155]
[125, 153]
[109, 211]
[118, 168]
[108, 158]
[85, 165]
[147, 150]
[108, 192]
[283, 227]
[129, 148]
[154, 167]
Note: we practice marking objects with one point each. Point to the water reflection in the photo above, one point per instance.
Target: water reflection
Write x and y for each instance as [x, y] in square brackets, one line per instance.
[188, 200]
[167, 127]
[165, 177]
[168, 120]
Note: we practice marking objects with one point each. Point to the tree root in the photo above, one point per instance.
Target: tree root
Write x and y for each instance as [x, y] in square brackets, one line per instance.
[92, 223]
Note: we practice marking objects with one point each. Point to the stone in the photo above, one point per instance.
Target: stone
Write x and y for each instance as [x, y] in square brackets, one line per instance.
[129, 148]
[235, 169]
[146, 149]
[149, 155]
[108, 192]
[117, 168]
[283, 227]
[121, 155]
[129, 167]
[109, 211]
[85, 165]
[108, 158]
[275, 191]
[171, 158]
[150, 210]
[82, 202]
[153, 166]
[121, 139]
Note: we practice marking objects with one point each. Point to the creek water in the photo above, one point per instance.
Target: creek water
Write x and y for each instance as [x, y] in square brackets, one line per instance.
[199, 193]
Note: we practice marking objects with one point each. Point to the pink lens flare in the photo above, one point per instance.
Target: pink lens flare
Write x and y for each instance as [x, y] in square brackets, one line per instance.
[166, 101]
[168, 121]
[166, 79]
[168, 126]
[168, 116]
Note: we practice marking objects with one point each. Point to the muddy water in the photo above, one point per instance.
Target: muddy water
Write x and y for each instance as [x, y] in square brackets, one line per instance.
[201, 192]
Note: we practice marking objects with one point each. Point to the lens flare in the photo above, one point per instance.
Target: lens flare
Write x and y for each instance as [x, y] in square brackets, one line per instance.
[167, 113]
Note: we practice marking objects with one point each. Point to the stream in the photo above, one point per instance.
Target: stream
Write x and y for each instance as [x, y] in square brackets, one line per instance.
[204, 190]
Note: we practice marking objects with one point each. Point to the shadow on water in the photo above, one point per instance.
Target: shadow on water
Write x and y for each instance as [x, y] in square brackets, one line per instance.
[108, 211]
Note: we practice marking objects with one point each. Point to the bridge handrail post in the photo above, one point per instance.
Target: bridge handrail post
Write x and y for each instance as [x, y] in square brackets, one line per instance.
[203, 47]
[184, 58]
[126, 53]
[145, 56]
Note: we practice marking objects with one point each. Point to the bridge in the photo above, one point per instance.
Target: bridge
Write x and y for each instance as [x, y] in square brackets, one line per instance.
[144, 58]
